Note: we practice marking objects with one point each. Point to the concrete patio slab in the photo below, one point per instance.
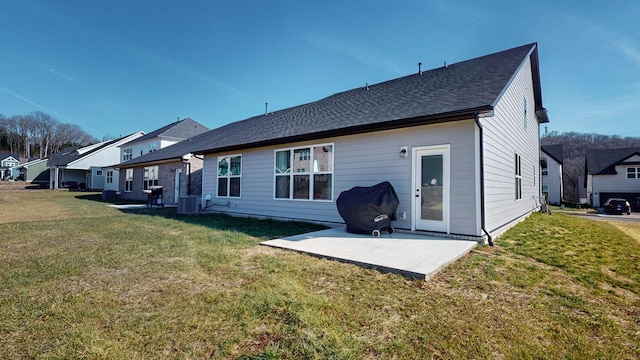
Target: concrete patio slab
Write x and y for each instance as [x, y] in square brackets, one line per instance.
[416, 256]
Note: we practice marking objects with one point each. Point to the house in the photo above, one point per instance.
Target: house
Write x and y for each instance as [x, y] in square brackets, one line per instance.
[83, 167]
[460, 145]
[174, 168]
[153, 141]
[613, 173]
[551, 162]
[7, 161]
[34, 171]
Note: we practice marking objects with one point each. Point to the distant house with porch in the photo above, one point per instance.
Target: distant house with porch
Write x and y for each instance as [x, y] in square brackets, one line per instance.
[83, 167]
[8, 161]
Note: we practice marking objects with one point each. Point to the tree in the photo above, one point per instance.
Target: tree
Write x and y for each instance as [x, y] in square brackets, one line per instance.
[45, 126]
[39, 133]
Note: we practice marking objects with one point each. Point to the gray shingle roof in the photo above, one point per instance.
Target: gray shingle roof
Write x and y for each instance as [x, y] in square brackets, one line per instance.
[603, 162]
[180, 130]
[555, 151]
[7, 155]
[444, 94]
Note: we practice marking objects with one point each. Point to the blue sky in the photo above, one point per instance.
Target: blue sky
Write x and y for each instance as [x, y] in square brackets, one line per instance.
[116, 67]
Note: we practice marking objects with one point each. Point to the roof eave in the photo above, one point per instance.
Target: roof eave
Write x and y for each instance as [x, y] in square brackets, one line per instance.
[482, 111]
[152, 162]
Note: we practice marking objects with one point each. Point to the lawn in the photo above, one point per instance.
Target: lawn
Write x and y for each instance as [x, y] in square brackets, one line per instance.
[79, 279]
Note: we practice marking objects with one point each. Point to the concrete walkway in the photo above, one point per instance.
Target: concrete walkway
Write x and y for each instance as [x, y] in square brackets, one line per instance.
[411, 255]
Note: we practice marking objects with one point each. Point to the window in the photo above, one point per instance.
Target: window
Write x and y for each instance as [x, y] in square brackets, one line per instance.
[518, 176]
[128, 180]
[229, 174]
[633, 173]
[98, 172]
[545, 169]
[304, 173]
[127, 154]
[153, 146]
[109, 176]
[150, 177]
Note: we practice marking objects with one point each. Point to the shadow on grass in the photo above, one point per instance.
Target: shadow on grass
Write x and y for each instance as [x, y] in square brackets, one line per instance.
[261, 228]
[98, 198]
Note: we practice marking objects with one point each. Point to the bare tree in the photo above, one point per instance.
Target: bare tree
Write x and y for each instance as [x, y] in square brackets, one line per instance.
[11, 128]
[45, 126]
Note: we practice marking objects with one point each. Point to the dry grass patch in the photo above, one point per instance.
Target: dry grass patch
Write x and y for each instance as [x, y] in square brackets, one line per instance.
[152, 284]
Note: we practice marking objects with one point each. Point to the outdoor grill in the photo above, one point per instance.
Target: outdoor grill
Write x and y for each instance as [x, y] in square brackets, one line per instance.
[368, 210]
[154, 196]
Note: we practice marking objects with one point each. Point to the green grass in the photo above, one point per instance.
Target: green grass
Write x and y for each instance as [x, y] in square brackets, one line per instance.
[82, 280]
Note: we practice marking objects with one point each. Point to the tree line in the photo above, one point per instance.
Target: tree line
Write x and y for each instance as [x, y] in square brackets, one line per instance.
[575, 146]
[38, 135]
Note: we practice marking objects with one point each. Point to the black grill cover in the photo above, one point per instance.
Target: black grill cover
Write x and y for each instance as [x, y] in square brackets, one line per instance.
[361, 207]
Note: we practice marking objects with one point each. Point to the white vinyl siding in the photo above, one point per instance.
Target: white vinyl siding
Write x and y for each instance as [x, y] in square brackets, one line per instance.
[552, 179]
[359, 160]
[506, 134]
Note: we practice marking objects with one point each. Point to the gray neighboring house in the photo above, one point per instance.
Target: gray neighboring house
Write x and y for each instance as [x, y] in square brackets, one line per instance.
[158, 139]
[551, 158]
[174, 168]
[613, 173]
[34, 171]
[460, 145]
[8, 161]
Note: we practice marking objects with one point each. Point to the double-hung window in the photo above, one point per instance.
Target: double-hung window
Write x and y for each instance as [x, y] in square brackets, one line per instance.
[304, 173]
[518, 176]
[127, 154]
[633, 173]
[229, 176]
[150, 177]
[128, 180]
[109, 176]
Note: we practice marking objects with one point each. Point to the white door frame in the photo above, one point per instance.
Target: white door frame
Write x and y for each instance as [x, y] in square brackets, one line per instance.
[416, 222]
[177, 185]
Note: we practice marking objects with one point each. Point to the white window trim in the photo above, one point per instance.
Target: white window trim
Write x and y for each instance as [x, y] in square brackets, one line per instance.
[518, 176]
[146, 180]
[127, 154]
[229, 177]
[309, 172]
[636, 172]
[127, 180]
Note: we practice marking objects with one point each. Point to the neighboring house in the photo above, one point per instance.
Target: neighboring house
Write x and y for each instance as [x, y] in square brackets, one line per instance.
[34, 171]
[153, 141]
[173, 168]
[551, 162]
[7, 161]
[460, 145]
[83, 167]
[613, 173]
